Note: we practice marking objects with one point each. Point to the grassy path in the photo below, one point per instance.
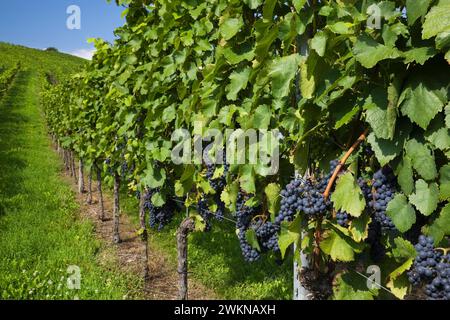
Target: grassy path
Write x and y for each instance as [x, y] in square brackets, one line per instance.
[41, 234]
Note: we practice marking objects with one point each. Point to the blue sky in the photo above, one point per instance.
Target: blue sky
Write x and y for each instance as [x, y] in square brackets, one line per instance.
[42, 24]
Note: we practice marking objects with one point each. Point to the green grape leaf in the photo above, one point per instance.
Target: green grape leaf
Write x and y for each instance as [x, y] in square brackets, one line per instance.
[351, 286]
[261, 118]
[380, 114]
[426, 197]
[289, 235]
[368, 52]
[348, 196]
[399, 284]
[338, 246]
[401, 212]
[444, 181]
[239, 81]
[416, 9]
[419, 55]
[282, 71]
[437, 20]
[247, 178]
[405, 175]
[403, 249]
[252, 239]
[422, 159]
[299, 4]
[319, 43]
[385, 150]
[438, 134]
[253, 4]
[272, 191]
[422, 99]
[441, 226]
[359, 228]
[158, 199]
[230, 27]
[154, 177]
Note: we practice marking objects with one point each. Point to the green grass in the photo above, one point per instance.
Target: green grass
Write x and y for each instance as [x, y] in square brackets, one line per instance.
[216, 261]
[58, 64]
[41, 234]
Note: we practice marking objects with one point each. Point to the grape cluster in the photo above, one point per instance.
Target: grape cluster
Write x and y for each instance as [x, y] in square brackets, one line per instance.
[250, 254]
[343, 218]
[365, 188]
[204, 212]
[218, 185]
[432, 267]
[324, 180]
[267, 235]
[244, 215]
[384, 185]
[305, 196]
[109, 167]
[158, 216]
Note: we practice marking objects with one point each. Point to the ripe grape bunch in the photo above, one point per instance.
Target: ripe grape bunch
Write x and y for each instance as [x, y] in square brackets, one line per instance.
[158, 216]
[305, 196]
[267, 235]
[244, 215]
[384, 185]
[432, 267]
[218, 185]
[204, 212]
[343, 218]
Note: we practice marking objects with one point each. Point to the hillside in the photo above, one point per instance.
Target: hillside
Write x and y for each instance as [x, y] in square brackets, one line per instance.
[56, 63]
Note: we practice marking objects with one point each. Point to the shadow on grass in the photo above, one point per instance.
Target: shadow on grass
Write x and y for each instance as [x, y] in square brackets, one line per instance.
[11, 138]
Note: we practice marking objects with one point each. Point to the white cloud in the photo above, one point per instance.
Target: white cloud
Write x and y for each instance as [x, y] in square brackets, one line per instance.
[83, 53]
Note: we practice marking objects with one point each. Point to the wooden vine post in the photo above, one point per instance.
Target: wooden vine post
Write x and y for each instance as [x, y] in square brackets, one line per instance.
[144, 236]
[89, 197]
[100, 193]
[186, 227]
[116, 212]
[81, 188]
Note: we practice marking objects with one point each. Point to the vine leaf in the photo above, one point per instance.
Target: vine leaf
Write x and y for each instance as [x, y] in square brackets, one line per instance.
[437, 20]
[419, 55]
[438, 134]
[368, 52]
[230, 27]
[405, 175]
[416, 9]
[319, 43]
[399, 284]
[422, 159]
[289, 234]
[348, 196]
[444, 180]
[247, 178]
[351, 286]
[403, 249]
[252, 239]
[441, 226]
[380, 114]
[426, 197]
[420, 101]
[282, 71]
[338, 246]
[401, 212]
[239, 81]
[261, 119]
[272, 192]
[253, 4]
[359, 228]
